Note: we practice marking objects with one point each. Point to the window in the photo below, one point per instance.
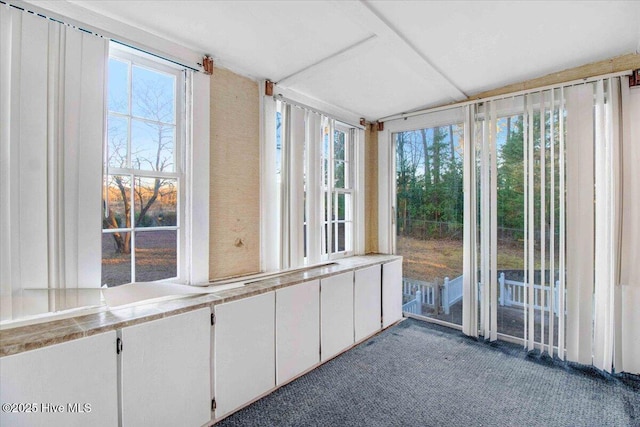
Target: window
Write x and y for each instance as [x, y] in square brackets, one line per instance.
[143, 169]
[315, 184]
[429, 219]
[337, 161]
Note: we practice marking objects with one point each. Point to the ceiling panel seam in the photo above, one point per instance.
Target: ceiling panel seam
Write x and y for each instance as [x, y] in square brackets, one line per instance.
[361, 11]
[287, 80]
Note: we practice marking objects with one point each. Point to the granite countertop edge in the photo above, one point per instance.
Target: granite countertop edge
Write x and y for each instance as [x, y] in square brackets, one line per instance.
[38, 335]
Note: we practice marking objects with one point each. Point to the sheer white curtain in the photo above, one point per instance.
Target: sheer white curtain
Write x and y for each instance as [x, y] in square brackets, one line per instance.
[627, 293]
[581, 219]
[52, 112]
[301, 151]
[592, 143]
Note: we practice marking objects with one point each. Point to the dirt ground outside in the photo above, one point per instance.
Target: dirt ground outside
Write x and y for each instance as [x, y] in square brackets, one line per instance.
[155, 254]
[435, 259]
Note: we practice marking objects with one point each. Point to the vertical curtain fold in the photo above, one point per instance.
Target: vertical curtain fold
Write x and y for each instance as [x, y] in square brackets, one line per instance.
[627, 292]
[301, 200]
[53, 83]
[606, 145]
[580, 222]
[314, 192]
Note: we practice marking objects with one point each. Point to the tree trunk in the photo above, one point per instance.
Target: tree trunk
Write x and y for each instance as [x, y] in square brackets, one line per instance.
[427, 163]
[125, 245]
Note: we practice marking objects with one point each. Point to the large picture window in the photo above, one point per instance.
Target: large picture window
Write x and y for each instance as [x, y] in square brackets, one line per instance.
[143, 169]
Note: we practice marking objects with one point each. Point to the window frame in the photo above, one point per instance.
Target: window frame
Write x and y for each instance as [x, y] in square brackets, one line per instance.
[149, 62]
[331, 193]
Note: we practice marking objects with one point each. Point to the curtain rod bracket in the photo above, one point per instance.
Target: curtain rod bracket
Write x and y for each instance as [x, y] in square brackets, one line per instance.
[634, 78]
[207, 64]
[268, 88]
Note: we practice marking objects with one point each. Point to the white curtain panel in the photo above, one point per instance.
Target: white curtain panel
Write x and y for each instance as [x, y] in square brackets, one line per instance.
[627, 330]
[602, 208]
[52, 80]
[580, 219]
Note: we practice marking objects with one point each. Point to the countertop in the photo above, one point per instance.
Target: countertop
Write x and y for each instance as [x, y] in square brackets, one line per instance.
[29, 337]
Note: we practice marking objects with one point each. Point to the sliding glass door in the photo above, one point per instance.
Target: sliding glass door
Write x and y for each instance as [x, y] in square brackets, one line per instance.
[429, 219]
[507, 214]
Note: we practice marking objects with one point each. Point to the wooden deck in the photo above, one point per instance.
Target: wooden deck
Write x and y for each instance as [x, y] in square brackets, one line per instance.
[510, 320]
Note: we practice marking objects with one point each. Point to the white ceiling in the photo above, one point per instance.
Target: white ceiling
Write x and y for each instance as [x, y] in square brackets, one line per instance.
[378, 58]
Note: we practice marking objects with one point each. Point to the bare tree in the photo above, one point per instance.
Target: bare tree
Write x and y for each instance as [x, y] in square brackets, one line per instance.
[153, 102]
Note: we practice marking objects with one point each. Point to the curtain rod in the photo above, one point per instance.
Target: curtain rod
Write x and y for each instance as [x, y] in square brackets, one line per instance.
[504, 96]
[280, 97]
[80, 27]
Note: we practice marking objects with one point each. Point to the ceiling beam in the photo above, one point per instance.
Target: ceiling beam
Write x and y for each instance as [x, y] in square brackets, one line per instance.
[328, 61]
[363, 13]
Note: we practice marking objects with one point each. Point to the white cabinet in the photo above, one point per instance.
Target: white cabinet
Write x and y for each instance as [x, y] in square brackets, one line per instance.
[391, 292]
[336, 314]
[367, 299]
[166, 371]
[244, 351]
[69, 384]
[297, 329]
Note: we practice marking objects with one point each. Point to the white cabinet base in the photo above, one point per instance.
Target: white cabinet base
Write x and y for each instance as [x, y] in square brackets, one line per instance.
[244, 351]
[165, 371]
[297, 330]
[336, 314]
[367, 299]
[54, 379]
[391, 293]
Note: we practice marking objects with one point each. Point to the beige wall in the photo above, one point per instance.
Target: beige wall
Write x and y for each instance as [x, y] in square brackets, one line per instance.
[234, 246]
[371, 189]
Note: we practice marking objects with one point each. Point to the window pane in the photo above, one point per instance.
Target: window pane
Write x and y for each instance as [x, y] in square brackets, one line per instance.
[117, 141]
[153, 95]
[344, 207]
[338, 145]
[510, 216]
[341, 226]
[325, 172]
[278, 139]
[118, 86]
[116, 258]
[117, 202]
[339, 174]
[152, 146]
[429, 220]
[156, 200]
[156, 255]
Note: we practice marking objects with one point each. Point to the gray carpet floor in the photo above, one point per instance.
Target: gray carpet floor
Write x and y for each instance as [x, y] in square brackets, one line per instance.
[419, 374]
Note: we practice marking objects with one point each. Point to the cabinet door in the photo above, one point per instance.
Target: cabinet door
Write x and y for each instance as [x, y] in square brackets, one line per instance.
[391, 292]
[166, 371]
[69, 384]
[244, 351]
[336, 314]
[367, 301]
[297, 329]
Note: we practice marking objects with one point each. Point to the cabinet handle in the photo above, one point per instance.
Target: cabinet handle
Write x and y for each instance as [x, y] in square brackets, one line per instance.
[118, 346]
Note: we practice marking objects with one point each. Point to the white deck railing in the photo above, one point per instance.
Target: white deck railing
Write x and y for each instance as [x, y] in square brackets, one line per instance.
[445, 295]
[511, 294]
[514, 293]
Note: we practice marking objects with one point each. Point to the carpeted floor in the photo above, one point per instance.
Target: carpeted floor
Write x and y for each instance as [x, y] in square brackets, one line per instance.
[419, 374]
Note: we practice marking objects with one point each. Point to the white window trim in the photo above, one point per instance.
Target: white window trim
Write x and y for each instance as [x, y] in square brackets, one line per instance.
[387, 168]
[351, 158]
[192, 166]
